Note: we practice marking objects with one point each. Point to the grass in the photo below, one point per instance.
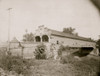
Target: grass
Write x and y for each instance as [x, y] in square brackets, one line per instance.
[88, 66]
[68, 66]
[48, 68]
[15, 63]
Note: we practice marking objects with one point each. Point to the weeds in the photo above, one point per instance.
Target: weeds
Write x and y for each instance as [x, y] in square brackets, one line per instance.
[40, 52]
[85, 67]
[15, 63]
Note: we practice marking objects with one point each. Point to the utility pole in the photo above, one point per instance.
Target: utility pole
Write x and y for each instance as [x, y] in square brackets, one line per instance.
[9, 24]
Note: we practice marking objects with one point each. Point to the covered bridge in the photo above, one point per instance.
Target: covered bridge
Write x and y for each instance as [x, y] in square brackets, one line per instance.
[44, 34]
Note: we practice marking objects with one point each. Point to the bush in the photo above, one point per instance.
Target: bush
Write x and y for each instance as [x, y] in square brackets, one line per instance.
[61, 49]
[40, 51]
[64, 48]
[85, 67]
[67, 59]
[2, 52]
[15, 63]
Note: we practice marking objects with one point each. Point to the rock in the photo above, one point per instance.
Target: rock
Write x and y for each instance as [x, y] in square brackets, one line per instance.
[7, 73]
[13, 73]
[78, 58]
[2, 72]
[32, 67]
[95, 52]
[21, 75]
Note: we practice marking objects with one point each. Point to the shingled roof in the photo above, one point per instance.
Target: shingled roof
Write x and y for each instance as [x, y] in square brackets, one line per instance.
[62, 34]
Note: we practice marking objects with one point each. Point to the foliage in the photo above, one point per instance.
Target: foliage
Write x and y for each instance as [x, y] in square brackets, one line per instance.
[70, 30]
[84, 67]
[3, 52]
[64, 48]
[98, 43]
[28, 37]
[15, 63]
[40, 51]
[67, 59]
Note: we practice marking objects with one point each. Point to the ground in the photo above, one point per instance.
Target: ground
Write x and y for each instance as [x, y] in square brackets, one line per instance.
[51, 68]
[55, 68]
[69, 65]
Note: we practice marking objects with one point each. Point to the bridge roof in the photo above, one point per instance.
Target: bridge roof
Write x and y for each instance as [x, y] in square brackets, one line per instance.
[62, 34]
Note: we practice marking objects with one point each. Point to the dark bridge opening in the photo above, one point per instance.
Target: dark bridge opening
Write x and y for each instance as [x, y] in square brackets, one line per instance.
[45, 38]
[83, 51]
[87, 48]
[37, 38]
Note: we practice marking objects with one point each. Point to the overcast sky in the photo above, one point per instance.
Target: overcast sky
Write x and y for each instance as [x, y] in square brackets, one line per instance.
[54, 14]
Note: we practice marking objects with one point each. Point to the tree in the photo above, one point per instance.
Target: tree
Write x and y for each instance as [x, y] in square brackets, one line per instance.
[28, 37]
[70, 30]
[98, 43]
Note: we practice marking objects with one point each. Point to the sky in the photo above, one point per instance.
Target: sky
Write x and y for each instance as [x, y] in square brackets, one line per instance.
[54, 14]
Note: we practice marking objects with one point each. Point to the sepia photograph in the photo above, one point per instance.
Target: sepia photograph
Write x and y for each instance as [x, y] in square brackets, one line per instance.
[49, 37]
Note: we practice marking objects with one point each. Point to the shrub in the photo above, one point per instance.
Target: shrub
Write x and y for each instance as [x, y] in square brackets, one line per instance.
[2, 52]
[62, 48]
[67, 59]
[85, 67]
[15, 63]
[40, 51]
